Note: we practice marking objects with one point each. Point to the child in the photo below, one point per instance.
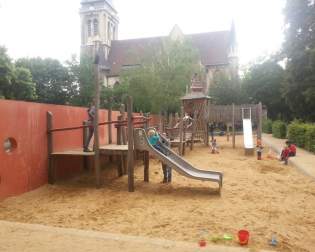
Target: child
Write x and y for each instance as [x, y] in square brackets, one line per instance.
[285, 154]
[214, 147]
[292, 149]
[154, 140]
[259, 149]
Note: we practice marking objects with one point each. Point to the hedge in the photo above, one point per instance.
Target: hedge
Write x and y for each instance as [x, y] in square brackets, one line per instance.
[310, 138]
[279, 129]
[267, 126]
[296, 133]
[302, 134]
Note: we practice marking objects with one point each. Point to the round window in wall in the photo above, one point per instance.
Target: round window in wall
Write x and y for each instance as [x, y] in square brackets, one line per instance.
[9, 145]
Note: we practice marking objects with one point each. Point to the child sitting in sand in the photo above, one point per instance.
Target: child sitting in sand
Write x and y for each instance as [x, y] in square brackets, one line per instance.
[292, 148]
[154, 140]
[214, 147]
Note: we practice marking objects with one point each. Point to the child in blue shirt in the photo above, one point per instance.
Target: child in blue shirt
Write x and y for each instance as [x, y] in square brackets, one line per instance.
[154, 140]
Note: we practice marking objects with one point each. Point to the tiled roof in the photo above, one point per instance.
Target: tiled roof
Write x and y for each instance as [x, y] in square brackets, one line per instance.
[212, 46]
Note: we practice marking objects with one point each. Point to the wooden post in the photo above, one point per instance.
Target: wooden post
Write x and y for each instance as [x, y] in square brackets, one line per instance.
[123, 128]
[206, 116]
[181, 127]
[130, 146]
[110, 139]
[96, 119]
[228, 132]
[85, 135]
[259, 126]
[194, 127]
[51, 177]
[233, 125]
[161, 122]
[146, 156]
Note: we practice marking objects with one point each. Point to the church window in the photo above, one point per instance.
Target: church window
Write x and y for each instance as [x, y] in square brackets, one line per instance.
[89, 27]
[95, 27]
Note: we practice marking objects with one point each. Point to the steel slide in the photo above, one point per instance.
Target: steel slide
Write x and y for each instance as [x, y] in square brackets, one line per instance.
[248, 134]
[173, 160]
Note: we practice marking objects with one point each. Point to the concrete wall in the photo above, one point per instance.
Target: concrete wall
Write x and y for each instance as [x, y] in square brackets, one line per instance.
[25, 168]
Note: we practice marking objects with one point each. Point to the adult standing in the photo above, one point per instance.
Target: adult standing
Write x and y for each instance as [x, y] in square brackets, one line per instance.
[91, 117]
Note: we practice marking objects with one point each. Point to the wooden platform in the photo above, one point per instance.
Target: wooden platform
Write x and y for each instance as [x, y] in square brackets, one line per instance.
[78, 152]
[121, 151]
[109, 148]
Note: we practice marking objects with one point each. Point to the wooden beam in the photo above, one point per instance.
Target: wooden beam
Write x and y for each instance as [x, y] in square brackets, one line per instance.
[233, 125]
[228, 132]
[130, 147]
[110, 139]
[146, 156]
[123, 129]
[259, 126]
[51, 172]
[96, 119]
[206, 115]
[181, 128]
[85, 133]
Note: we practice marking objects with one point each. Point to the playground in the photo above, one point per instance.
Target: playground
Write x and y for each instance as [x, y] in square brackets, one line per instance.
[265, 197]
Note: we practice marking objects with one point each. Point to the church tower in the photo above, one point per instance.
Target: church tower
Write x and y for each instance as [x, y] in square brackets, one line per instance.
[99, 22]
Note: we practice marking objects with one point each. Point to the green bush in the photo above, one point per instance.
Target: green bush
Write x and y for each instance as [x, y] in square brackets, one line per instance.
[296, 133]
[267, 126]
[310, 137]
[279, 129]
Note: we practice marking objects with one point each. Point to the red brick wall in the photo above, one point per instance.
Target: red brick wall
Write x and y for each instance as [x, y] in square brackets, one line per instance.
[26, 167]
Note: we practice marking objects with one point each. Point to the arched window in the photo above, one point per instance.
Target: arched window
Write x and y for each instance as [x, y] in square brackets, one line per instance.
[95, 27]
[89, 28]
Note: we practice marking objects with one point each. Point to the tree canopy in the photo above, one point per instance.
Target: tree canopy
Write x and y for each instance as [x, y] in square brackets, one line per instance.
[299, 53]
[15, 81]
[159, 82]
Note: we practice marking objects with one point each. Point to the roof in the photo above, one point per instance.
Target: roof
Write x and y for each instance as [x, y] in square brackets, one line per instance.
[212, 46]
[195, 95]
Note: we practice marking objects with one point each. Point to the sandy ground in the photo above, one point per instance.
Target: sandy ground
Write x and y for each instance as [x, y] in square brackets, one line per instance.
[38, 238]
[264, 197]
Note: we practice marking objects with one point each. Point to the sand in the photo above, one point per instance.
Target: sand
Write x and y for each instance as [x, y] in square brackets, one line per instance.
[264, 197]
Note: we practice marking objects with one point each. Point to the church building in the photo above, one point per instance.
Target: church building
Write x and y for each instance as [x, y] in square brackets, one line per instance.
[99, 22]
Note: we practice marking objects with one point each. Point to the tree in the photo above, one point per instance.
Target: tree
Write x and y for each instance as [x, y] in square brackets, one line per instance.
[51, 77]
[73, 69]
[86, 80]
[225, 90]
[161, 79]
[6, 73]
[15, 82]
[23, 87]
[299, 52]
[263, 83]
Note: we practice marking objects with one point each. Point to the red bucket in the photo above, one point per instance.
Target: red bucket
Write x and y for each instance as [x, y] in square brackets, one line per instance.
[202, 243]
[243, 236]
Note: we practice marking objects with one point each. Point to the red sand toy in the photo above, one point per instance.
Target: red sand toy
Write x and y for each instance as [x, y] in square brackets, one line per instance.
[243, 236]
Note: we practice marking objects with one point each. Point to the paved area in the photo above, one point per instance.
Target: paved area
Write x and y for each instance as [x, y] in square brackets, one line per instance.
[30, 237]
[304, 160]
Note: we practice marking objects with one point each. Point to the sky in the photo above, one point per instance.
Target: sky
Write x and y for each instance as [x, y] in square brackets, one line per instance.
[51, 28]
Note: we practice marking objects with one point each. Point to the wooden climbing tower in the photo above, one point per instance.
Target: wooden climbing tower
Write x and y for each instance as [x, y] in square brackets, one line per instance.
[196, 104]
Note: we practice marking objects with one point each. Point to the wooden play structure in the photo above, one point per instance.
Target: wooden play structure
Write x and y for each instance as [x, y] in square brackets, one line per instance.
[197, 105]
[123, 150]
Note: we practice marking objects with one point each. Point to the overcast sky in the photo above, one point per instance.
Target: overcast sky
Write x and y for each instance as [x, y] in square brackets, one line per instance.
[51, 28]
